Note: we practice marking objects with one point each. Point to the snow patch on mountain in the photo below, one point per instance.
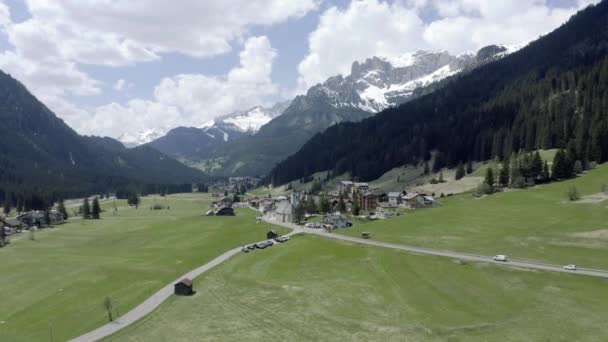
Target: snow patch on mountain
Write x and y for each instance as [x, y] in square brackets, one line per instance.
[140, 138]
[251, 120]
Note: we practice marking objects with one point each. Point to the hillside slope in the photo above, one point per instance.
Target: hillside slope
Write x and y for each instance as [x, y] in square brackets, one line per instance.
[550, 94]
[39, 151]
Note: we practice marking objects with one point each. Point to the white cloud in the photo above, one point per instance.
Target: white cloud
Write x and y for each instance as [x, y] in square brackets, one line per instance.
[59, 35]
[391, 28]
[121, 85]
[191, 99]
[124, 32]
[364, 29]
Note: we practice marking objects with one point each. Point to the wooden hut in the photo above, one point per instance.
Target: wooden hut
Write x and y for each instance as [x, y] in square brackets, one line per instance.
[184, 287]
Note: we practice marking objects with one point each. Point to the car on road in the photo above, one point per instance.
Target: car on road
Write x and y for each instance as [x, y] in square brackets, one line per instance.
[261, 245]
[251, 247]
[314, 225]
[501, 258]
[282, 239]
[245, 249]
[570, 267]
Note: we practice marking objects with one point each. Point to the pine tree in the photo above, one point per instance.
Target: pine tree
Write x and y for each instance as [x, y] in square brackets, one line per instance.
[469, 167]
[537, 165]
[96, 211]
[427, 170]
[324, 205]
[47, 217]
[356, 208]
[7, 208]
[86, 209]
[503, 176]
[562, 168]
[341, 205]
[489, 180]
[460, 171]
[441, 180]
[310, 206]
[299, 213]
[62, 210]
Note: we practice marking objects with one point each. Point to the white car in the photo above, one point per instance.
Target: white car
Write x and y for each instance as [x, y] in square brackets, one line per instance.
[570, 267]
[501, 258]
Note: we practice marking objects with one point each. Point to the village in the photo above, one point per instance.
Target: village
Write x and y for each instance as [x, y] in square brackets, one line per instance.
[338, 209]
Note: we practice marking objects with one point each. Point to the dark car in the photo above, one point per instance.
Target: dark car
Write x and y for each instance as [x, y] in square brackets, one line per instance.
[251, 247]
[261, 245]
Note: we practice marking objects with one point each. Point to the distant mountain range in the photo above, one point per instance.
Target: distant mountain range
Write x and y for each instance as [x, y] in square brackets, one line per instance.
[40, 153]
[549, 94]
[372, 86]
[185, 142]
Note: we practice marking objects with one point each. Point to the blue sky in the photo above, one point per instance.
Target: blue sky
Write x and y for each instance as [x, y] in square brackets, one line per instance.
[110, 67]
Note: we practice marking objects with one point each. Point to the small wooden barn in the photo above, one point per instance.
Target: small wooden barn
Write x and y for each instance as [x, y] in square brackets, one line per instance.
[272, 235]
[184, 288]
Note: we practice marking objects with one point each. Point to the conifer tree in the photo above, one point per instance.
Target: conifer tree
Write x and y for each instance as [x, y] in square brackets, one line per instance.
[96, 211]
[341, 205]
[86, 209]
[460, 171]
[503, 176]
[489, 180]
[7, 208]
[62, 210]
[469, 167]
[324, 205]
[356, 208]
[427, 170]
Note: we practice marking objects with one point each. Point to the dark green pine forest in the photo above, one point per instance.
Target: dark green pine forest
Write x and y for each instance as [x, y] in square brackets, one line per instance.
[551, 94]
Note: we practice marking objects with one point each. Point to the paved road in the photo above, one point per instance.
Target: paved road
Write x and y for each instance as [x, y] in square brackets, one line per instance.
[154, 301]
[449, 254]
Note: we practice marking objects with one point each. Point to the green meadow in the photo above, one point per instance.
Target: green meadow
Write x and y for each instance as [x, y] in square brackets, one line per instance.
[55, 285]
[314, 289]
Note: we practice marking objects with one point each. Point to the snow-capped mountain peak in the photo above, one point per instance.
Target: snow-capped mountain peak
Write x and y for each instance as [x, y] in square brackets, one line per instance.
[140, 138]
[380, 82]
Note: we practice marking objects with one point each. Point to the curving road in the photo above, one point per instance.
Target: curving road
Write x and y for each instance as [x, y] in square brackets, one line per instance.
[153, 301]
[448, 254]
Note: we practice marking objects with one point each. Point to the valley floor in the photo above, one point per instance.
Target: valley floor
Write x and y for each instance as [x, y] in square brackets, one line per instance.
[55, 285]
[314, 289]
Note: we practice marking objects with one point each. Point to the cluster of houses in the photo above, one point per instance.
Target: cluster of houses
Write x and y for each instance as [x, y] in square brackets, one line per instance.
[375, 202]
[374, 199]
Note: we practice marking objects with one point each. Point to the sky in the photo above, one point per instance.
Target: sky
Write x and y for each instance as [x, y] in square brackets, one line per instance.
[108, 67]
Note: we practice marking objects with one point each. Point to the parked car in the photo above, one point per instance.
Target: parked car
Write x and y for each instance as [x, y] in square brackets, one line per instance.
[282, 239]
[251, 247]
[501, 258]
[570, 267]
[245, 249]
[261, 245]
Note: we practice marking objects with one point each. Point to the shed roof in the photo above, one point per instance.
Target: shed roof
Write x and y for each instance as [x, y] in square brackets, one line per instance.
[185, 281]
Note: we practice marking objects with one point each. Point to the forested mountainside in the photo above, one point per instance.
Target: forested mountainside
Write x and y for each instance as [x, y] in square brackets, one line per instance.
[372, 85]
[40, 153]
[551, 94]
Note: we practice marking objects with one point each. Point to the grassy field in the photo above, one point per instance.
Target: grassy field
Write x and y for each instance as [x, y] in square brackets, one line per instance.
[537, 223]
[312, 289]
[58, 281]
